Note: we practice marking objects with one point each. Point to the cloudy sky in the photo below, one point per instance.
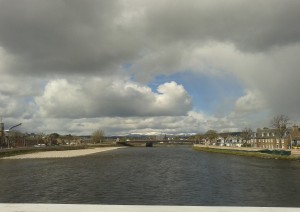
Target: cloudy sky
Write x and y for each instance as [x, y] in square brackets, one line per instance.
[147, 66]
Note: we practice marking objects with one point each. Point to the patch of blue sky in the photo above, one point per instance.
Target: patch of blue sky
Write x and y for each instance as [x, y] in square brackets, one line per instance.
[28, 99]
[30, 102]
[126, 69]
[126, 66]
[210, 94]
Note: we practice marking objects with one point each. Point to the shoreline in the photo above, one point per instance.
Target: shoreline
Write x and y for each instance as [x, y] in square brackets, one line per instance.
[61, 153]
[248, 152]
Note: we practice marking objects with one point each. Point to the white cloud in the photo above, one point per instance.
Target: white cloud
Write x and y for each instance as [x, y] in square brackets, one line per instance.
[111, 97]
[62, 61]
[252, 101]
[270, 77]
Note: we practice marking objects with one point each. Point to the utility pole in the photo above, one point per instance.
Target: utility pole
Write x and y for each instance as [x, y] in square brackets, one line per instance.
[2, 137]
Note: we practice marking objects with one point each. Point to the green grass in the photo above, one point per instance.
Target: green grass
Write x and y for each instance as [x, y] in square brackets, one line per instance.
[246, 153]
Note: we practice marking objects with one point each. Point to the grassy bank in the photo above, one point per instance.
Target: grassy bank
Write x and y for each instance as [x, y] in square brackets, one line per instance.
[29, 150]
[245, 153]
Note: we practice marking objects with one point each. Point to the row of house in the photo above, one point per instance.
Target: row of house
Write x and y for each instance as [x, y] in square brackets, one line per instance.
[269, 138]
[263, 138]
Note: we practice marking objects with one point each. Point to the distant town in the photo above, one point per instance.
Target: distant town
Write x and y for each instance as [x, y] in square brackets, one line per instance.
[280, 136]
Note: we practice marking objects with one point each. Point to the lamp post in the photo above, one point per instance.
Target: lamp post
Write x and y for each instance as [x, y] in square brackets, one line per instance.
[2, 134]
[13, 127]
[10, 130]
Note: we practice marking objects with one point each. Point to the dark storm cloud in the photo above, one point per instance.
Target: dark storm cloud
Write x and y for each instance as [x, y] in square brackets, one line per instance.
[250, 25]
[61, 35]
[64, 36]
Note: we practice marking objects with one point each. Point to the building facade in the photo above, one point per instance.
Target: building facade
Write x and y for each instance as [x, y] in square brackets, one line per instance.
[269, 138]
[295, 137]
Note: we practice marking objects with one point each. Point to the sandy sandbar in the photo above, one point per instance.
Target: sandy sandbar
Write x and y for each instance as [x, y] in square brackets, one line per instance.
[62, 154]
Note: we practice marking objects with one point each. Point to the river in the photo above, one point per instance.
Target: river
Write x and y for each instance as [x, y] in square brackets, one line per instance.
[152, 176]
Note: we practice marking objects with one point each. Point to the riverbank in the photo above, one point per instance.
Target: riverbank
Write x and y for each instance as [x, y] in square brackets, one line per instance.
[61, 153]
[241, 151]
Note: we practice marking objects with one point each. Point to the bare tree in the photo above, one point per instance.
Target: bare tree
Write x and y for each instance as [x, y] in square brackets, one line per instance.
[280, 123]
[39, 138]
[246, 134]
[98, 136]
[212, 135]
[225, 135]
[198, 138]
[53, 138]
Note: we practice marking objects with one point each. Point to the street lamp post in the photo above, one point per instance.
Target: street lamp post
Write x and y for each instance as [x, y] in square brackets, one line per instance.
[10, 130]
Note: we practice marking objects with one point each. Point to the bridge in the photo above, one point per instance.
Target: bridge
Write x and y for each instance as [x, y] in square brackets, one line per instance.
[150, 143]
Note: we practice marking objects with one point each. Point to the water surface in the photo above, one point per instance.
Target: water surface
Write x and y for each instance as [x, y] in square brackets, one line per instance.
[152, 176]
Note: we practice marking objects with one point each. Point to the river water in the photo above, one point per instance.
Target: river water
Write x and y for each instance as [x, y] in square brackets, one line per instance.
[152, 176]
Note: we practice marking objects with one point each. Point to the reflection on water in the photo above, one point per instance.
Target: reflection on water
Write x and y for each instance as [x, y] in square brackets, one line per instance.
[152, 176]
